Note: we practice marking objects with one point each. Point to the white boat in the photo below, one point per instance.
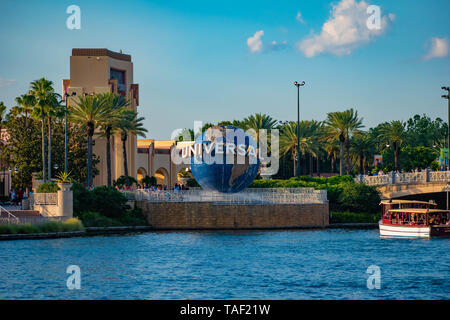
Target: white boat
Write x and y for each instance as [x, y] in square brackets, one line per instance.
[413, 219]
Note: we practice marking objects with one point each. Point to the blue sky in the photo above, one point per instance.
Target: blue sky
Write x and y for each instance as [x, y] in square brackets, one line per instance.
[192, 59]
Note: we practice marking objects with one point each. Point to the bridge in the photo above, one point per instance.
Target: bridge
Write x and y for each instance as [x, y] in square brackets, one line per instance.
[399, 185]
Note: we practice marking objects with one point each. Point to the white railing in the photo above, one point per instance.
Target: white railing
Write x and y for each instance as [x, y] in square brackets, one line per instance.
[405, 178]
[7, 216]
[248, 196]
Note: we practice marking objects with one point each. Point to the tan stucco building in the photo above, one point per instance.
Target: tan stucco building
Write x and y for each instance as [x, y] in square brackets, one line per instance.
[99, 71]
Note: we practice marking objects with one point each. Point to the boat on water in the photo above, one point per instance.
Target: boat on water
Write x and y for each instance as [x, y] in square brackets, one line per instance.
[405, 218]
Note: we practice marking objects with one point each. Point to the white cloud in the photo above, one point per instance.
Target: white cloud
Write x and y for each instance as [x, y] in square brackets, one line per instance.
[438, 48]
[299, 17]
[254, 43]
[6, 82]
[345, 30]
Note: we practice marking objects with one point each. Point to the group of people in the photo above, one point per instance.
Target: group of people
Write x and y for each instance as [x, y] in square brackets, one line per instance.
[177, 187]
[16, 197]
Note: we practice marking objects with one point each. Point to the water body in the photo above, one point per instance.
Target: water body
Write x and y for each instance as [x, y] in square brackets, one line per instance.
[311, 264]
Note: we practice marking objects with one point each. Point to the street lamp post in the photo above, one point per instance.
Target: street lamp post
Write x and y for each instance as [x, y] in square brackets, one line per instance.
[298, 85]
[66, 130]
[447, 96]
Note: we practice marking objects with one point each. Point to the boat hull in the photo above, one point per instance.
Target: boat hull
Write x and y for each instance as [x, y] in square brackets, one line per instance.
[404, 231]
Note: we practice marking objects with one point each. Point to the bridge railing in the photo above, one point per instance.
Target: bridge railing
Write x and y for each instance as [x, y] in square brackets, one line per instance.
[405, 178]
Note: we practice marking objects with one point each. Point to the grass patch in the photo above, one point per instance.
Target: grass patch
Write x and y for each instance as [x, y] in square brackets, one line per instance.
[69, 225]
[352, 217]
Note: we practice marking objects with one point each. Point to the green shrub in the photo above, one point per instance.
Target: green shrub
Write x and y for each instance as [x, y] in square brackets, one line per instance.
[192, 183]
[105, 200]
[95, 219]
[47, 187]
[342, 192]
[69, 225]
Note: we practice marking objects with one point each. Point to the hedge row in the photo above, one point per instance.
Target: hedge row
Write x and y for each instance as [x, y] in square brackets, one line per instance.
[343, 193]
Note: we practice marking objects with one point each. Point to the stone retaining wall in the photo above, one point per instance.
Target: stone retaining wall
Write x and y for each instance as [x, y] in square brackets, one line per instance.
[209, 215]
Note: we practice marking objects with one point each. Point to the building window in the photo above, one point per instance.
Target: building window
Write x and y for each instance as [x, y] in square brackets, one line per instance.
[118, 75]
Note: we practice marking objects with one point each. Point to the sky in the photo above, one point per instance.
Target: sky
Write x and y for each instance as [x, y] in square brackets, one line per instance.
[222, 60]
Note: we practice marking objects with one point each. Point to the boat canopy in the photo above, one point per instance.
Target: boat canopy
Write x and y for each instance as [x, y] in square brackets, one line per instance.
[419, 210]
[406, 202]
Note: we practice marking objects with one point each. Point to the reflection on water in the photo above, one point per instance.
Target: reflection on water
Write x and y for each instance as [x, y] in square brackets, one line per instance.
[304, 264]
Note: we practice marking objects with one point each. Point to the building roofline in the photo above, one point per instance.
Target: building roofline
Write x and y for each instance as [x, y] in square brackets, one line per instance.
[100, 52]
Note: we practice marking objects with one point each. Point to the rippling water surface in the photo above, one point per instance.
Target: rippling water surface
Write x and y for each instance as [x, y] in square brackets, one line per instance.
[316, 264]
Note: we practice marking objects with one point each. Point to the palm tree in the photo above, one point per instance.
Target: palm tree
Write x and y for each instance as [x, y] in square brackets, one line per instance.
[309, 136]
[257, 122]
[331, 147]
[117, 104]
[26, 102]
[129, 124]
[43, 92]
[55, 110]
[361, 149]
[395, 133]
[341, 125]
[90, 113]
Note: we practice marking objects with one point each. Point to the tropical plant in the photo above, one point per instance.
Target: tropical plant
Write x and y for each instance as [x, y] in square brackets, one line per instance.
[149, 181]
[124, 181]
[394, 132]
[340, 126]
[128, 124]
[90, 113]
[63, 177]
[310, 134]
[47, 187]
[43, 92]
[117, 105]
[361, 149]
[257, 122]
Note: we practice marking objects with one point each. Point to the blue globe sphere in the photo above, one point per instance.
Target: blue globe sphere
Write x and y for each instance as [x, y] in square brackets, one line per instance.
[226, 159]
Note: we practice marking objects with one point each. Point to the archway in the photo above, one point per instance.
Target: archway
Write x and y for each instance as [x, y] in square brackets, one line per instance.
[141, 173]
[162, 177]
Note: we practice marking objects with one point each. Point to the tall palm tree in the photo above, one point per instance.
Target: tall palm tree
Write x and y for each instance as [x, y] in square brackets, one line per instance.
[90, 113]
[309, 136]
[129, 124]
[361, 149]
[331, 147]
[43, 92]
[26, 102]
[341, 125]
[55, 110]
[394, 132]
[117, 105]
[257, 122]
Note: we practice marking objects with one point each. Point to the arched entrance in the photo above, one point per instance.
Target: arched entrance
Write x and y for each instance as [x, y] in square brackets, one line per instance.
[162, 177]
[141, 173]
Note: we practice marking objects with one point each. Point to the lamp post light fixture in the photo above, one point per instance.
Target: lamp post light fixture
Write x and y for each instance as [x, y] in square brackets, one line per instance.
[447, 96]
[298, 85]
[66, 130]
